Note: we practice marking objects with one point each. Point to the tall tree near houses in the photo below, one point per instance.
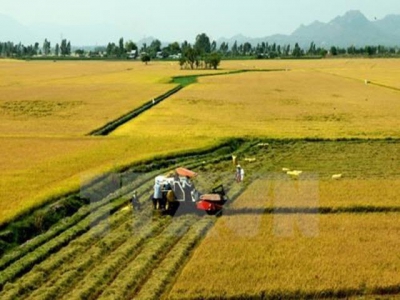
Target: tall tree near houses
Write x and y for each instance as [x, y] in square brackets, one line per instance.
[121, 47]
[192, 56]
[129, 46]
[184, 46]
[155, 46]
[174, 48]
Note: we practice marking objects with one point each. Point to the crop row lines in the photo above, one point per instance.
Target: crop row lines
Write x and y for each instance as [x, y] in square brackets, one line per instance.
[161, 276]
[71, 274]
[29, 256]
[40, 273]
[64, 225]
[130, 278]
[42, 252]
[97, 278]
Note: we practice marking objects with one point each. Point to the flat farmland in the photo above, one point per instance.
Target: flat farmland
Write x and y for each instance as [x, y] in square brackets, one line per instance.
[74, 98]
[36, 170]
[348, 254]
[47, 108]
[376, 71]
[306, 236]
[280, 104]
[292, 255]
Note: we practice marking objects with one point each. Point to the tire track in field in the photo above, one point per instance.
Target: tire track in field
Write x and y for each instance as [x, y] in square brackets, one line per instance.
[167, 269]
[71, 261]
[102, 251]
[137, 271]
[53, 264]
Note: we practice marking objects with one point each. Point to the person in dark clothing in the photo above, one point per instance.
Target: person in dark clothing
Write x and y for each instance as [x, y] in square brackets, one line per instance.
[135, 201]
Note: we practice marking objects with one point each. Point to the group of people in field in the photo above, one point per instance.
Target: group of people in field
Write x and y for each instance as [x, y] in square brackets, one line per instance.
[162, 192]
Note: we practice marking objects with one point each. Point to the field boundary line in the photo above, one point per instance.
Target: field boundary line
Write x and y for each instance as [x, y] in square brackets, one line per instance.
[391, 290]
[360, 80]
[313, 210]
[114, 124]
[111, 126]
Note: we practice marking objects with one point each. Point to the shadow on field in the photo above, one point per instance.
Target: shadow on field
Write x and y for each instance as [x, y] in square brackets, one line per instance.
[310, 210]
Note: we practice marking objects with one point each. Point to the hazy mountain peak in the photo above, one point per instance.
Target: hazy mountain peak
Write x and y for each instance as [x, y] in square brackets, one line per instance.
[352, 17]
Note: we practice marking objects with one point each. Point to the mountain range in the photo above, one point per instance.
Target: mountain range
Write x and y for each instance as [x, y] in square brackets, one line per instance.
[353, 28]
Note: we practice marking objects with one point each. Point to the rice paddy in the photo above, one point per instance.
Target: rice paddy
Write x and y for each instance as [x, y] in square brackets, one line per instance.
[302, 236]
[280, 104]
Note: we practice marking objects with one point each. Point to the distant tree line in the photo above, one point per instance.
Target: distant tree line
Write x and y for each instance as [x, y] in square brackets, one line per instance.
[203, 53]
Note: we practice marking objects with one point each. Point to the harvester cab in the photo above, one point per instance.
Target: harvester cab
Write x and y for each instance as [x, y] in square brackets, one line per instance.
[179, 190]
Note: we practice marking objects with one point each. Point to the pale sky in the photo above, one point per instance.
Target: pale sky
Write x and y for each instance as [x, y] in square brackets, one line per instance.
[171, 20]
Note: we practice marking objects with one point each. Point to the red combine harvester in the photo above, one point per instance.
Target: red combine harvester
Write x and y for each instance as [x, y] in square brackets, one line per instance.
[212, 203]
[186, 195]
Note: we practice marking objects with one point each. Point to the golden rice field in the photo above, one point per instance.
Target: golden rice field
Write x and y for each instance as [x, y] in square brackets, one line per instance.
[73, 98]
[34, 170]
[285, 104]
[292, 255]
[379, 71]
[308, 237]
[46, 108]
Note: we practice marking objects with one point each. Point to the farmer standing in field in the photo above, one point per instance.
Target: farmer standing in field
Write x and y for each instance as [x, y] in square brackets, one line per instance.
[135, 201]
[239, 173]
[157, 197]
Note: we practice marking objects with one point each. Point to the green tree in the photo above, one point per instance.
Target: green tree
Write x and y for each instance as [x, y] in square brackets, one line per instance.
[144, 48]
[192, 56]
[36, 47]
[57, 50]
[223, 48]
[80, 52]
[154, 47]
[247, 48]
[129, 46]
[145, 58]
[174, 48]
[234, 49]
[121, 49]
[202, 44]
[213, 46]
[297, 52]
[63, 47]
[214, 60]
[68, 48]
[311, 50]
[46, 47]
[333, 50]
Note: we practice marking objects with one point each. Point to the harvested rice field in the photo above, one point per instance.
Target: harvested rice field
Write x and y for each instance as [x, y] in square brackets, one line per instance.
[316, 215]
